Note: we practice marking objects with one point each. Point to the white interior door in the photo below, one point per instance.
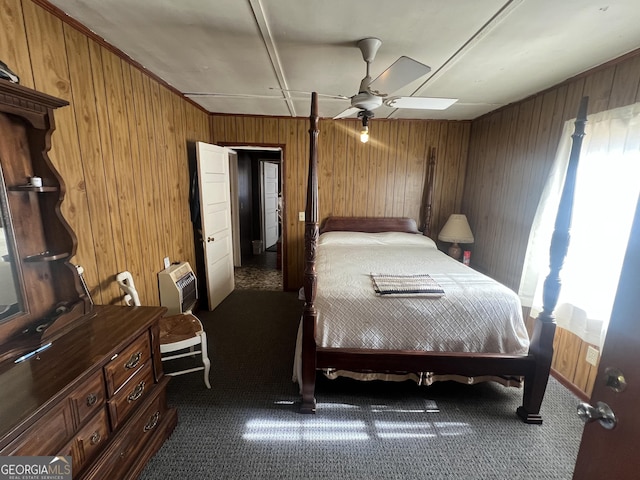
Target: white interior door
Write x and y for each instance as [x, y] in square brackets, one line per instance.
[269, 188]
[215, 202]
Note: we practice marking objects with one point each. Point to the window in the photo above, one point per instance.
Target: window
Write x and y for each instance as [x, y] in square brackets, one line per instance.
[607, 188]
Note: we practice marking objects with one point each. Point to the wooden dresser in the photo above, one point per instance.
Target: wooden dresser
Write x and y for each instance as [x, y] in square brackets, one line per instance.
[96, 393]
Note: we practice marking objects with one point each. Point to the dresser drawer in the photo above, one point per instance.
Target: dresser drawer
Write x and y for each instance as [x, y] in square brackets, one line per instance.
[127, 363]
[139, 432]
[131, 395]
[88, 441]
[88, 399]
[46, 436]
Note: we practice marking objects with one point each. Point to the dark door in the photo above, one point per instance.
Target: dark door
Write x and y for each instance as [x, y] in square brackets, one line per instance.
[245, 193]
[614, 453]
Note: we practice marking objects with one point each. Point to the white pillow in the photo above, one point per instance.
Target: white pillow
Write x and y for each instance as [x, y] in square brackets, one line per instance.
[382, 238]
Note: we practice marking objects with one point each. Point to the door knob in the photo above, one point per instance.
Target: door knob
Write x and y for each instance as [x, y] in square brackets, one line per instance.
[601, 412]
[210, 239]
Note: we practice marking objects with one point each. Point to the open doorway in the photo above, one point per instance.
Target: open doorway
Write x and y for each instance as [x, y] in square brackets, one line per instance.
[257, 220]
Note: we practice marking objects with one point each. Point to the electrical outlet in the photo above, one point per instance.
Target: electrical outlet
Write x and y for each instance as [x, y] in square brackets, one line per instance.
[301, 216]
[592, 355]
[167, 263]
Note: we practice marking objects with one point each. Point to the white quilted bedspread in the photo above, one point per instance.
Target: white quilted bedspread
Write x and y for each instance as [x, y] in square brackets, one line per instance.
[476, 314]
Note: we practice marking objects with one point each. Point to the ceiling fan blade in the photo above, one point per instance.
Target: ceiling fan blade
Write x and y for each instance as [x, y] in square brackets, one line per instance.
[402, 72]
[347, 113]
[424, 103]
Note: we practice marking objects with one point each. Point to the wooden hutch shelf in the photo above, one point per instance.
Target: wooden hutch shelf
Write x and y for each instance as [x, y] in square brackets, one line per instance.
[46, 257]
[31, 188]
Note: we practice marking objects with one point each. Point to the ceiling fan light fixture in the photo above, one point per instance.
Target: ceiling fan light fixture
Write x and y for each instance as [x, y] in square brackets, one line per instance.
[364, 134]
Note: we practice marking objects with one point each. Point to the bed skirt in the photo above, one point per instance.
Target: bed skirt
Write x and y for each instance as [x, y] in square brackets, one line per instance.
[420, 378]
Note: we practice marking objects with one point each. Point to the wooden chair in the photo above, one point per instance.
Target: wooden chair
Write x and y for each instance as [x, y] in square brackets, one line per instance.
[179, 334]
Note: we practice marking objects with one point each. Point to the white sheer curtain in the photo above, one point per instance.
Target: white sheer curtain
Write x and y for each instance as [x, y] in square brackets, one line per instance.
[607, 188]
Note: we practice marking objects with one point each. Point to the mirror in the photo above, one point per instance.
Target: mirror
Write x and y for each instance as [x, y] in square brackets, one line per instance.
[10, 302]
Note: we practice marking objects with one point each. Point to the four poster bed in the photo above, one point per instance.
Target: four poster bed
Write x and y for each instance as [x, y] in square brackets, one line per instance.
[382, 302]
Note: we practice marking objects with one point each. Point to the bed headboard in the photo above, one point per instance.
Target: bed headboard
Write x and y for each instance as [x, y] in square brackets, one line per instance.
[369, 224]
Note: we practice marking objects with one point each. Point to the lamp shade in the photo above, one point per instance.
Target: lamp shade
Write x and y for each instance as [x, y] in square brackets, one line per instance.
[456, 230]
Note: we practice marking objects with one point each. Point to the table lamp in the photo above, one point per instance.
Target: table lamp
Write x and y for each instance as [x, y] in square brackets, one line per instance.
[456, 230]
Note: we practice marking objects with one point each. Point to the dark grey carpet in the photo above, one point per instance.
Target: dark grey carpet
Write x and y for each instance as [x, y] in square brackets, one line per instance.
[247, 426]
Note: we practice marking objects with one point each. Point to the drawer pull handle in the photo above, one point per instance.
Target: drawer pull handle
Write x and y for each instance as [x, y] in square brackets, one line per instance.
[137, 393]
[95, 438]
[153, 421]
[134, 360]
[91, 400]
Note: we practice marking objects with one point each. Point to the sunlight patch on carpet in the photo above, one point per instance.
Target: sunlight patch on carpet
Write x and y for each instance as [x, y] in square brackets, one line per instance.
[313, 429]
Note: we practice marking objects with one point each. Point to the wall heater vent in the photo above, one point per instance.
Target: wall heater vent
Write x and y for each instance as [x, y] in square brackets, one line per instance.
[178, 288]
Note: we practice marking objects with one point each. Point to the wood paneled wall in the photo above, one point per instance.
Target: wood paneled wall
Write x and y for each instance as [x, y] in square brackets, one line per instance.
[384, 177]
[511, 152]
[569, 361]
[121, 147]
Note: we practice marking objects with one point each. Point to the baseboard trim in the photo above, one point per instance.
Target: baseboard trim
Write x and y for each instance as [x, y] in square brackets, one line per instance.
[565, 382]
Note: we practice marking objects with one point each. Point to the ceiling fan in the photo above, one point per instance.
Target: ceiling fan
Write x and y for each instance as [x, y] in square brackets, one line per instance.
[371, 93]
[374, 93]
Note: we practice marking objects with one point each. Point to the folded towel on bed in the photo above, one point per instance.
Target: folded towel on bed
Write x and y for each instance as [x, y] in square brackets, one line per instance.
[406, 285]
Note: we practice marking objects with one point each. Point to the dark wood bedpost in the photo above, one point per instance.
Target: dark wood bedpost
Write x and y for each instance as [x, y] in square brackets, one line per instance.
[310, 276]
[428, 197]
[541, 346]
